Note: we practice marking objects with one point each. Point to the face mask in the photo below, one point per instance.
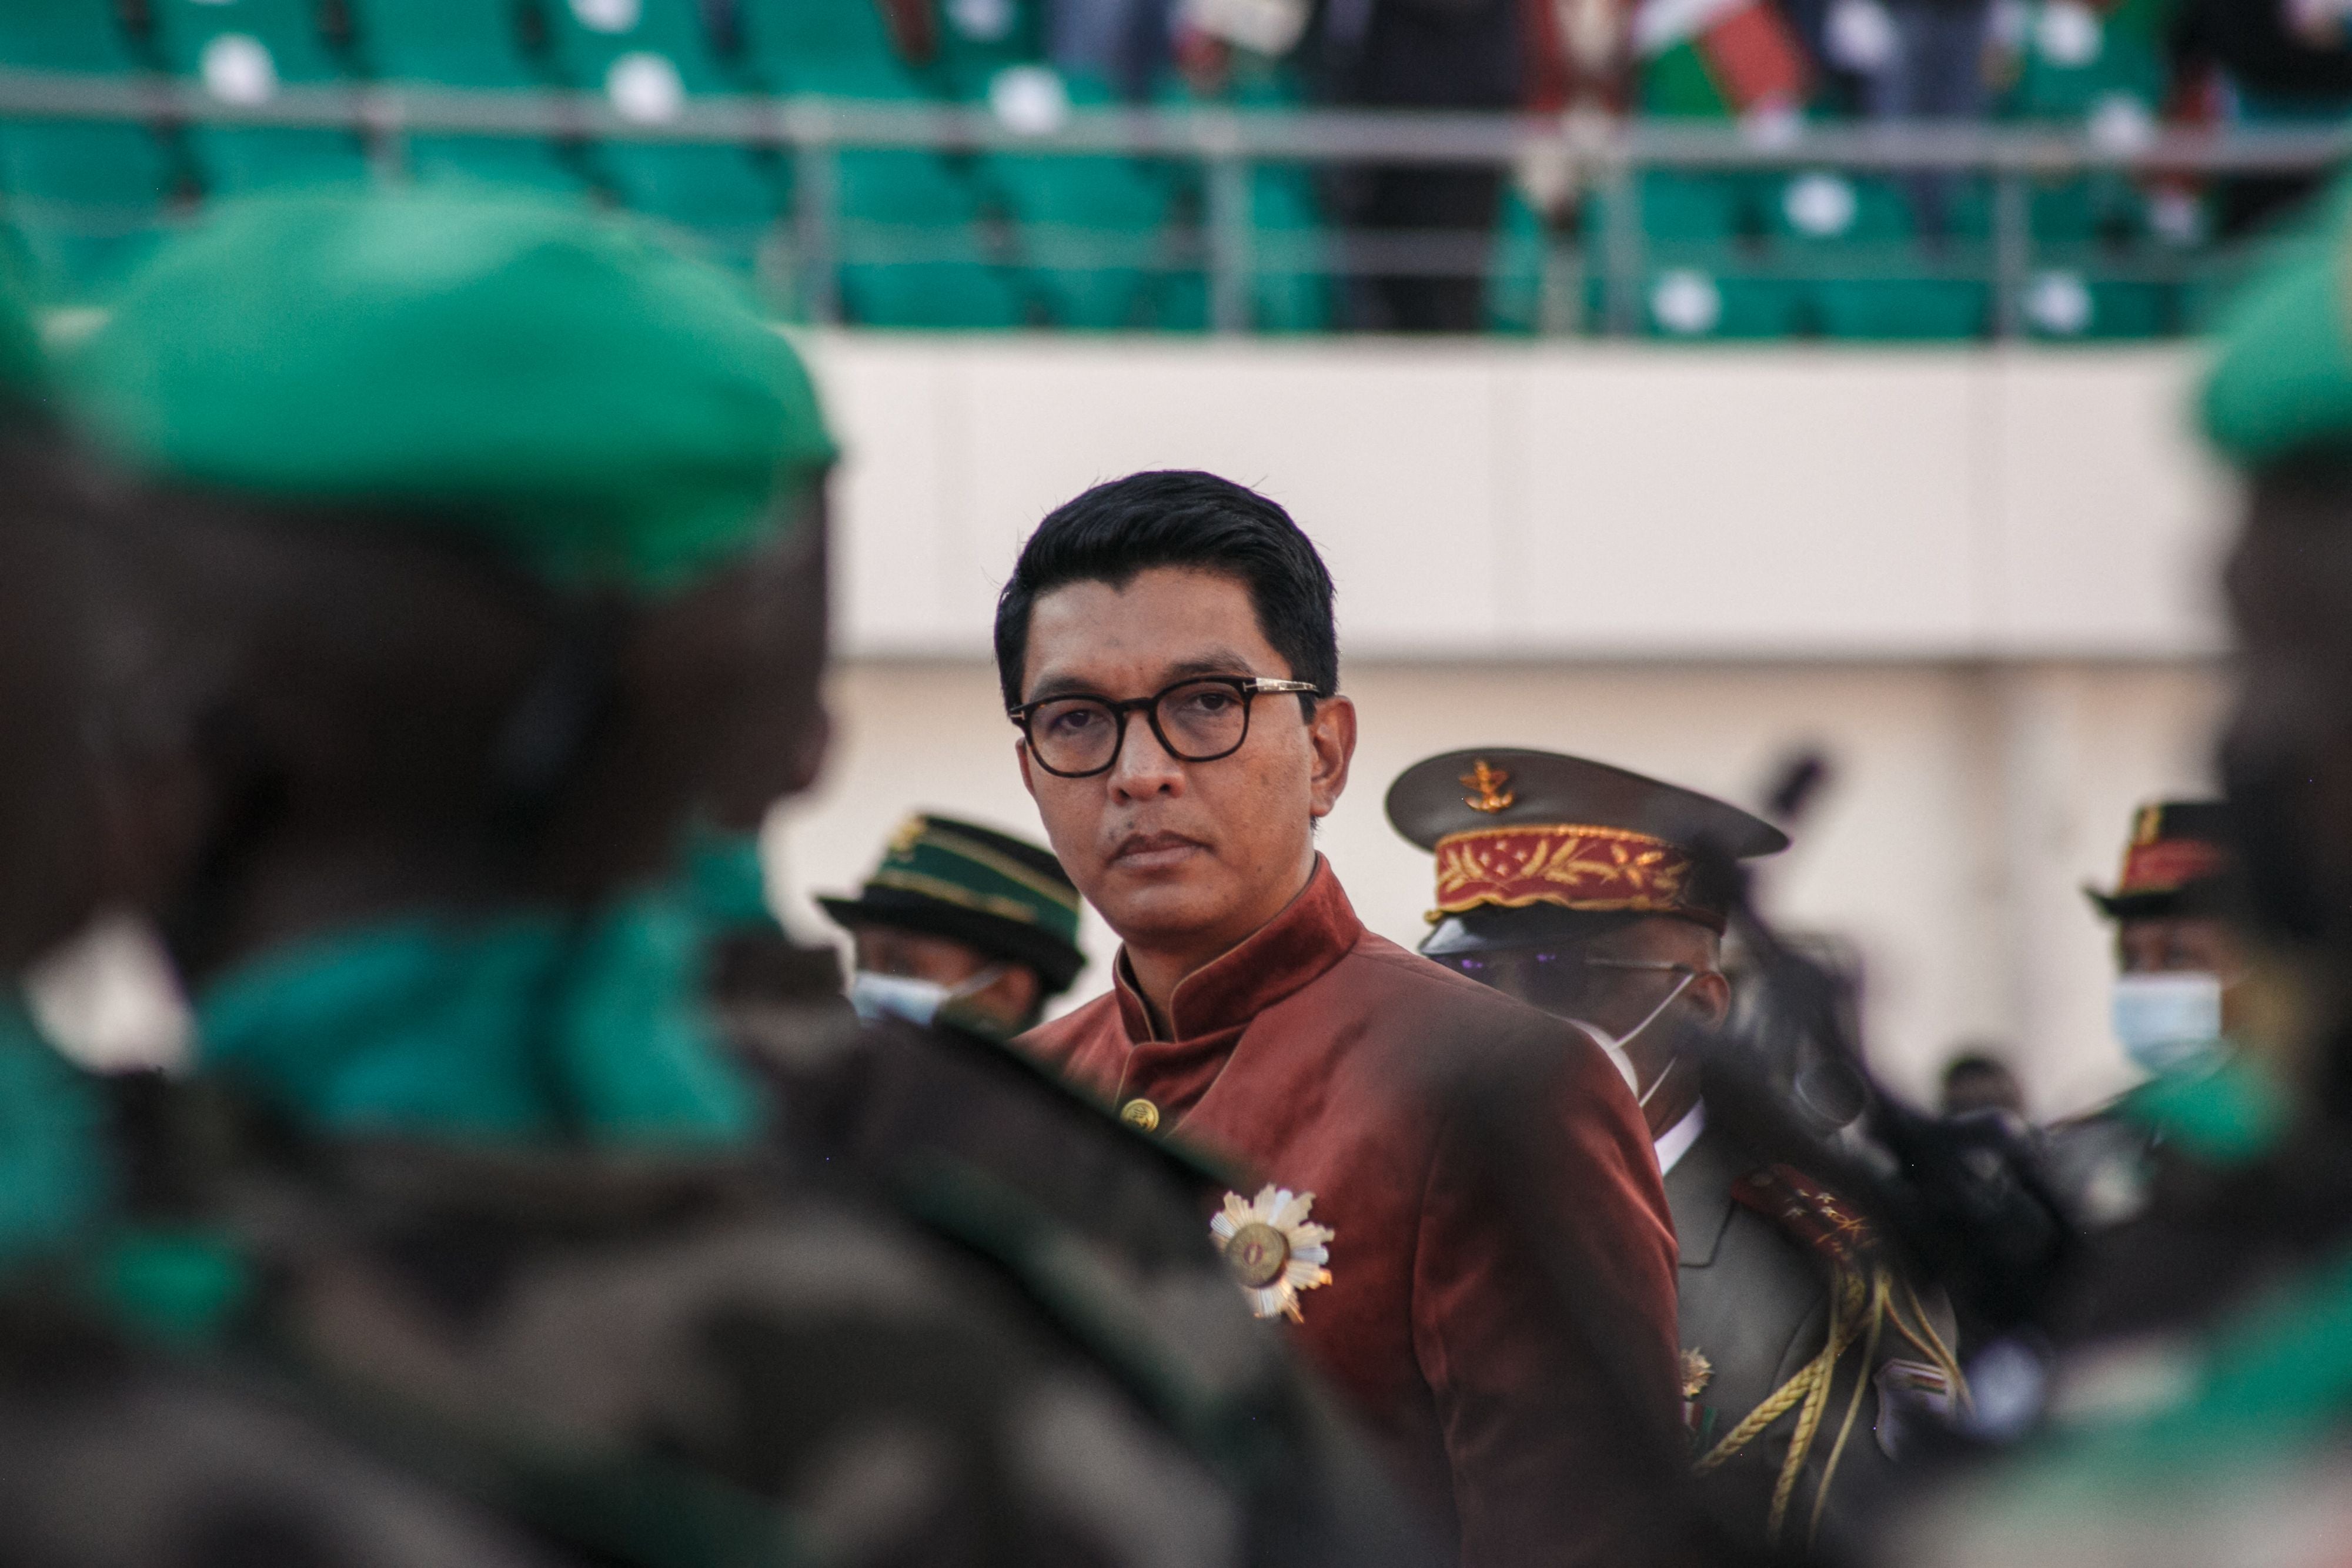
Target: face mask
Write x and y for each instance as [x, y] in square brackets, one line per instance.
[917, 1001]
[2167, 1022]
[1615, 1044]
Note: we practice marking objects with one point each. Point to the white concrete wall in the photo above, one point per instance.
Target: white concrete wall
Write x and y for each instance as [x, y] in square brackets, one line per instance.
[1981, 581]
[1483, 500]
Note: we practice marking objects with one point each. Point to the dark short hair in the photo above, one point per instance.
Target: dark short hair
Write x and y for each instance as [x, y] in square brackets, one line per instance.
[1181, 519]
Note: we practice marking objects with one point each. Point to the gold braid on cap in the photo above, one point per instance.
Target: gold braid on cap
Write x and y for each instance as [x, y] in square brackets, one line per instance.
[1604, 870]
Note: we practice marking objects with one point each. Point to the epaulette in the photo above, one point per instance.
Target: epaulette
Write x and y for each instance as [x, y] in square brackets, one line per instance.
[1809, 1213]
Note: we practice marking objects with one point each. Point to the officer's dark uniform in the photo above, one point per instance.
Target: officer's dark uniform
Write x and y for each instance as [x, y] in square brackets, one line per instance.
[1785, 1298]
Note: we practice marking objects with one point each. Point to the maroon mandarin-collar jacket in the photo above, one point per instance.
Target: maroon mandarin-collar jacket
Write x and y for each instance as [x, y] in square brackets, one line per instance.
[1317, 1056]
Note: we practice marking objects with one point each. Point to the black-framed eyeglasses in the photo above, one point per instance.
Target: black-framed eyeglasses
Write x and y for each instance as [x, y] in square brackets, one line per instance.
[1199, 719]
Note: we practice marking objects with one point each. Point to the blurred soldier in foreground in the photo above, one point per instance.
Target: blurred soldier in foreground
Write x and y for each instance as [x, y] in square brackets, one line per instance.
[112, 1456]
[1573, 886]
[2214, 1433]
[961, 917]
[481, 564]
[1450, 1194]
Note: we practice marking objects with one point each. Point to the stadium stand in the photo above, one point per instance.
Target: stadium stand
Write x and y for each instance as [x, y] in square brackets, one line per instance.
[989, 233]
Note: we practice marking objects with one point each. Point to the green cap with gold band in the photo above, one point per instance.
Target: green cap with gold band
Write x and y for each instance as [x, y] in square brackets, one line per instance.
[600, 410]
[1003, 895]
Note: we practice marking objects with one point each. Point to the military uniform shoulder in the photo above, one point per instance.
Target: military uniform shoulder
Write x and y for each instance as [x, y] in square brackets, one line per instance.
[1810, 1214]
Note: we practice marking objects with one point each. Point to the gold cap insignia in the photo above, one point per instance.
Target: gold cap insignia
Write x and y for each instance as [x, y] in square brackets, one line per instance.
[1489, 782]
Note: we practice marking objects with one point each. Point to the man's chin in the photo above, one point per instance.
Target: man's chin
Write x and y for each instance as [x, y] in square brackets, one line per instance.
[1159, 912]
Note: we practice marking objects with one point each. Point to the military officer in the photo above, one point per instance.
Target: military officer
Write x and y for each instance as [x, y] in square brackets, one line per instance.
[2178, 961]
[477, 552]
[1573, 885]
[2180, 992]
[963, 917]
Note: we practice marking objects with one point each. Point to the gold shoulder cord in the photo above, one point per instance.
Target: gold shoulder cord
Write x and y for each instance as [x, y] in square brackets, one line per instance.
[1860, 1307]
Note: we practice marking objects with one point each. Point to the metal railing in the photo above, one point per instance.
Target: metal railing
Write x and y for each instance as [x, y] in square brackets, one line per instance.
[813, 239]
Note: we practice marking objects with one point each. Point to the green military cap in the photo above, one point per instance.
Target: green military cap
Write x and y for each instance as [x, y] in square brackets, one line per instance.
[1529, 841]
[2282, 382]
[600, 410]
[1001, 894]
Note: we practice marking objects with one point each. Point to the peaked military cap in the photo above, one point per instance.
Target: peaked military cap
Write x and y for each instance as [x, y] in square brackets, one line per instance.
[1542, 833]
[600, 410]
[2178, 861]
[1001, 894]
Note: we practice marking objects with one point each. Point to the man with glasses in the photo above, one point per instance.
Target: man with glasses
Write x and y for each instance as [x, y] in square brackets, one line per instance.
[1449, 1196]
[1574, 886]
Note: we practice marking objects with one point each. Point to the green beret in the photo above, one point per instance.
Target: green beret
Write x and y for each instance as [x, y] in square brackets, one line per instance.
[598, 409]
[2282, 382]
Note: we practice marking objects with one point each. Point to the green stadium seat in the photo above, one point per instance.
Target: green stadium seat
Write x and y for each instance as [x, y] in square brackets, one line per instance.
[1687, 206]
[2077, 64]
[1063, 204]
[64, 36]
[1515, 285]
[595, 43]
[649, 57]
[910, 225]
[472, 44]
[979, 39]
[1852, 239]
[242, 51]
[188, 34]
[1690, 302]
[1902, 308]
[2062, 305]
[1821, 207]
[834, 48]
[719, 189]
[1287, 218]
[450, 42]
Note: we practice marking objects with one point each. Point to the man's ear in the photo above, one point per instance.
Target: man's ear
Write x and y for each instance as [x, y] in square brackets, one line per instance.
[1331, 736]
[1710, 993]
[1021, 756]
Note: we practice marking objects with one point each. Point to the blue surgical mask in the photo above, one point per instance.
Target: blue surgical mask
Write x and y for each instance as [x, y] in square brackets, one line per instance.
[2170, 1021]
[917, 1001]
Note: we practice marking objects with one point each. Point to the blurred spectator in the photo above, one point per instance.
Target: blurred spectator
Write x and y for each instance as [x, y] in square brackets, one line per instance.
[1918, 60]
[1977, 1080]
[1418, 53]
[1123, 42]
[2265, 62]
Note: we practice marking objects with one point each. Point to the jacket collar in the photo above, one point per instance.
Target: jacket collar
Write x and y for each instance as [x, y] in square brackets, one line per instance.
[1315, 930]
[1698, 1194]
